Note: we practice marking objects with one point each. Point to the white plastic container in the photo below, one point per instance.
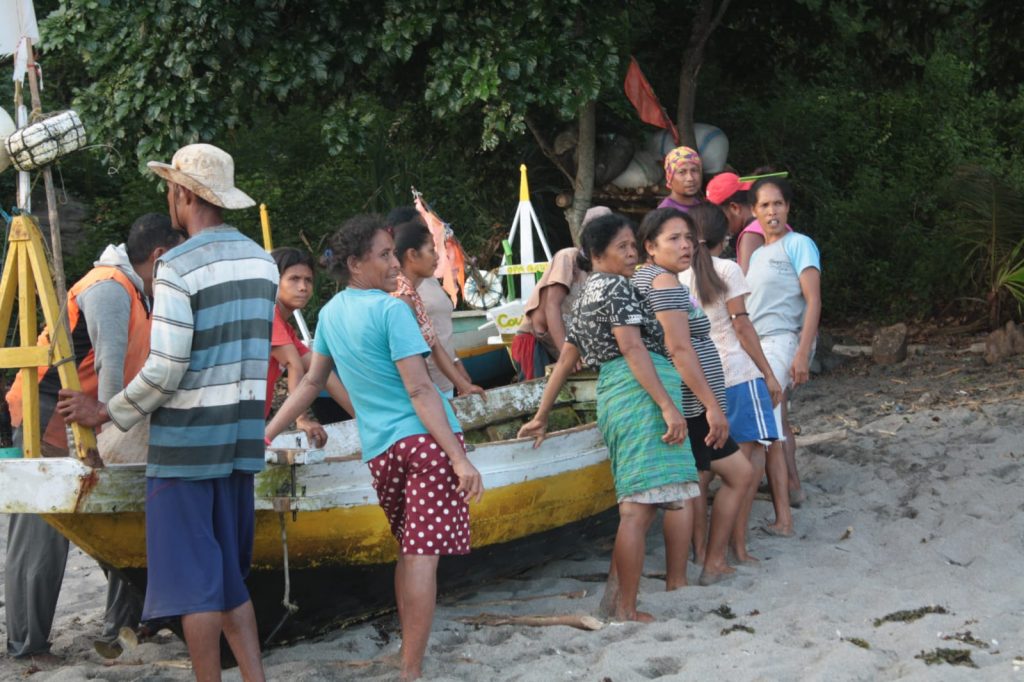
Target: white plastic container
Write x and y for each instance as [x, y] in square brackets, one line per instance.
[45, 141]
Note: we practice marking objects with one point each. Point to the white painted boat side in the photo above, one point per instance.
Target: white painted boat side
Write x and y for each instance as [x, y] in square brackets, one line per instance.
[56, 485]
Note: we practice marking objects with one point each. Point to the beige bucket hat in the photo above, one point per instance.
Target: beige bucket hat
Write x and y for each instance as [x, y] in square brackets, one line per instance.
[206, 170]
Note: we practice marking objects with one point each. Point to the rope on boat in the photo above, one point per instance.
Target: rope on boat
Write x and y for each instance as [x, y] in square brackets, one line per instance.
[289, 606]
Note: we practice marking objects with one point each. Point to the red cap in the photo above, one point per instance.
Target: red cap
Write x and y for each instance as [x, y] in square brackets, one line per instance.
[723, 186]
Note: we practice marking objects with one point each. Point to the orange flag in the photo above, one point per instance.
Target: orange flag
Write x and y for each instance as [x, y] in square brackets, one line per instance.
[641, 95]
[446, 263]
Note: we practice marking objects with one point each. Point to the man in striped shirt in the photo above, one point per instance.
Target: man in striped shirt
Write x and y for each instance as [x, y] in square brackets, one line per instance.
[204, 383]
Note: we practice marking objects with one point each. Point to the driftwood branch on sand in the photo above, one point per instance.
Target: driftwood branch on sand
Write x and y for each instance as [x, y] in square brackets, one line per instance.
[579, 622]
[818, 438]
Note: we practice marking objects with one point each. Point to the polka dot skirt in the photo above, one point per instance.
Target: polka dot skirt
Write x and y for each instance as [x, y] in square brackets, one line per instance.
[416, 487]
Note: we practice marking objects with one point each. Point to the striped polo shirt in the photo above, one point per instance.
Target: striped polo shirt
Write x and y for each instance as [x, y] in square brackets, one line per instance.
[204, 382]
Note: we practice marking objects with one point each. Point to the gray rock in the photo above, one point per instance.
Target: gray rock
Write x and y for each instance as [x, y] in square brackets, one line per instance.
[1004, 342]
[889, 345]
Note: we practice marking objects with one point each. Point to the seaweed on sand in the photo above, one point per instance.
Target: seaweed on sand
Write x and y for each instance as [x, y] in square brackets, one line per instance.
[738, 627]
[950, 656]
[967, 638]
[909, 616]
[724, 611]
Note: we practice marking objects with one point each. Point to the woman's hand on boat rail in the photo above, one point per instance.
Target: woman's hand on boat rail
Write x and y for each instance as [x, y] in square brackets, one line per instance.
[536, 428]
[315, 433]
[471, 484]
[470, 388]
[76, 407]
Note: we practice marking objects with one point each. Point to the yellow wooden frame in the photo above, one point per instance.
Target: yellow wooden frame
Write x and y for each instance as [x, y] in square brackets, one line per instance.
[26, 276]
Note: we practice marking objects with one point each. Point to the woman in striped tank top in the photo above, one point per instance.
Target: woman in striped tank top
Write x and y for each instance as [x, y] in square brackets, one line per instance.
[668, 242]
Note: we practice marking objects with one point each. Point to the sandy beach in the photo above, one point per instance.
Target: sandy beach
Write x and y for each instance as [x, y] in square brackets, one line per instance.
[914, 501]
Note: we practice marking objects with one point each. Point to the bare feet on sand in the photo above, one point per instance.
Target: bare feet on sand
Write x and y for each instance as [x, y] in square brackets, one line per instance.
[714, 573]
[708, 578]
[778, 531]
[743, 558]
[637, 616]
[675, 584]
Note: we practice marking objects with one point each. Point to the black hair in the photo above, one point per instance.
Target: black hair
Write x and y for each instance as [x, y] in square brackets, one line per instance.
[653, 222]
[352, 240]
[410, 235]
[287, 257]
[403, 214]
[148, 233]
[596, 237]
[711, 222]
[708, 283]
[740, 196]
[782, 184]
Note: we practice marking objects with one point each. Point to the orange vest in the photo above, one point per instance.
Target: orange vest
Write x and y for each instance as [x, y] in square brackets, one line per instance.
[49, 383]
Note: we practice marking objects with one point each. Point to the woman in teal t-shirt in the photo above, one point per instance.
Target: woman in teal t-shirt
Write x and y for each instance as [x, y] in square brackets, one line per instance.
[408, 432]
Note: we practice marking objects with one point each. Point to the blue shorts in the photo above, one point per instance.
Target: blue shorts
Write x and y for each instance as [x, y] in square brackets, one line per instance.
[750, 412]
[199, 537]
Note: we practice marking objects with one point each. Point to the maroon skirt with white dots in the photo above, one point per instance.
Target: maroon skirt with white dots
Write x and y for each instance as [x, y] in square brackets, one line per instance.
[416, 488]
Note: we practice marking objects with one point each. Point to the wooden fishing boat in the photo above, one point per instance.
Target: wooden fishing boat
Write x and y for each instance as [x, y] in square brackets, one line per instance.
[540, 504]
[488, 363]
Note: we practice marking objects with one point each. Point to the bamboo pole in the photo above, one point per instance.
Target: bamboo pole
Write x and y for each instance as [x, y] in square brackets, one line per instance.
[51, 196]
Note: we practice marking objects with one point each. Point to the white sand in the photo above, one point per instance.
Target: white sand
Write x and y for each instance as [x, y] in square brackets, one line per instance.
[929, 480]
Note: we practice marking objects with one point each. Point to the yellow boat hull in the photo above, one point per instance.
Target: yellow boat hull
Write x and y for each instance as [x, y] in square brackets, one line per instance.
[540, 504]
[360, 535]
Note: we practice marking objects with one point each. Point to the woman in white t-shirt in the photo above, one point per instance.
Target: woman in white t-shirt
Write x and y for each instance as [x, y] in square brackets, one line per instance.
[750, 387]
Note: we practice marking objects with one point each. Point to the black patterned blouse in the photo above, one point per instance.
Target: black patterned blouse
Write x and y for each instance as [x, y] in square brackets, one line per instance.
[608, 301]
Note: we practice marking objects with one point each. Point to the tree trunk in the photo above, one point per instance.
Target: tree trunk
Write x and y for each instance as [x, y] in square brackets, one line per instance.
[583, 186]
[687, 102]
[705, 21]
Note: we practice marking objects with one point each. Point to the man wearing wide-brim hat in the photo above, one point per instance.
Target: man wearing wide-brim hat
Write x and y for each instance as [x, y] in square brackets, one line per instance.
[204, 384]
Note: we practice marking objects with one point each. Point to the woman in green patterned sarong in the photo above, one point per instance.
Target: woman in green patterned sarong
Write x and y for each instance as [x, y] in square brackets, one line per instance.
[638, 400]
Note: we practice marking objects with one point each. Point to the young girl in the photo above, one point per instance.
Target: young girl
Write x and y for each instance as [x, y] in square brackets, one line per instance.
[750, 386]
[287, 351]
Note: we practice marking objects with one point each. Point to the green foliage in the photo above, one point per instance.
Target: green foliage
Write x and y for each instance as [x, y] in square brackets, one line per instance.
[159, 75]
[988, 223]
[336, 107]
[872, 164]
[310, 192]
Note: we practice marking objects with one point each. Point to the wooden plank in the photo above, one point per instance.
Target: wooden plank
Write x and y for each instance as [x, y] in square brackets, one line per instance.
[503, 404]
[8, 290]
[84, 437]
[28, 328]
[19, 357]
